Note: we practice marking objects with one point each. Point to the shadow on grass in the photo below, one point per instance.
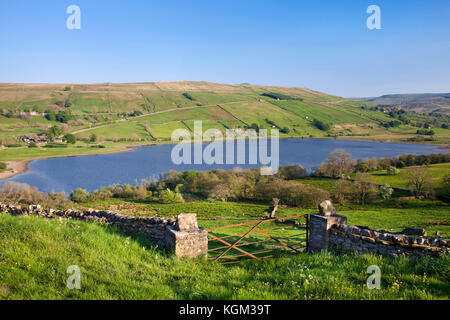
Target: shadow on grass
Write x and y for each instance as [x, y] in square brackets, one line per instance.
[141, 238]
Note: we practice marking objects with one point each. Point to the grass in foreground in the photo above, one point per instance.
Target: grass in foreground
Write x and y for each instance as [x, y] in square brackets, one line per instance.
[35, 254]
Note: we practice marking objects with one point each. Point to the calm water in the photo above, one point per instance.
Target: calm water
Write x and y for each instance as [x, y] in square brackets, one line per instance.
[93, 172]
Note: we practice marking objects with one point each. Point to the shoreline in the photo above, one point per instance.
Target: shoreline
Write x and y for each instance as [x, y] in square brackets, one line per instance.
[18, 167]
[22, 166]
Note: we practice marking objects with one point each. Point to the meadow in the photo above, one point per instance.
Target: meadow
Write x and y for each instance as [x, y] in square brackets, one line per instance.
[400, 180]
[34, 260]
[145, 113]
[35, 253]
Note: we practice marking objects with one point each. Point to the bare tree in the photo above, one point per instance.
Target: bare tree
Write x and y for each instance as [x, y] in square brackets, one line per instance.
[338, 163]
[419, 180]
[364, 188]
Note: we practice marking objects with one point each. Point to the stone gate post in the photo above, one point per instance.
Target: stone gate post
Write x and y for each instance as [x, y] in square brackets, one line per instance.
[186, 238]
[319, 224]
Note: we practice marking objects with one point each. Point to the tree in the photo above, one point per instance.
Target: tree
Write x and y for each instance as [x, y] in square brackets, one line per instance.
[338, 163]
[255, 127]
[93, 137]
[364, 188]
[418, 180]
[70, 138]
[220, 192]
[342, 190]
[401, 164]
[54, 132]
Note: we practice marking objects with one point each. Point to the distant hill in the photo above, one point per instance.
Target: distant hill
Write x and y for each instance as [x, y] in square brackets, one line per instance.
[151, 111]
[421, 102]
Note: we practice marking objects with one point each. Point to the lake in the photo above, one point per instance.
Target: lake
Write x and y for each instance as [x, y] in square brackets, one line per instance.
[96, 171]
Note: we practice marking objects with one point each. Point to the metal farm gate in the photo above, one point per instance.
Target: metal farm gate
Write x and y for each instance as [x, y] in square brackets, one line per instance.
[258, 239]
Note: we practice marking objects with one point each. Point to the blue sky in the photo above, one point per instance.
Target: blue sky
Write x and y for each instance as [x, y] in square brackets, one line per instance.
[322, 45]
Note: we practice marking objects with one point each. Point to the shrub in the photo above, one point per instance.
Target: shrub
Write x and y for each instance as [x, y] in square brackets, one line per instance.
[169, 196]
[15, 193]
[425, 132]
[79, 195]
[285, 130]
[55, 145]
[446, 181]
[386, 191]
[188, 96]
[70, 138]
[141, 193]
[292, 172]
[13, 145]
[280, 96]
[32, 145]
[321, 125]
[2, 166]
[290, 193]
[392, 170]
[102, 194]
[122, 191]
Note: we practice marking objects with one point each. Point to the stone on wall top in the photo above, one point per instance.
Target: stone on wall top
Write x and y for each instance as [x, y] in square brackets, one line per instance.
[186, 222]
[326, 208]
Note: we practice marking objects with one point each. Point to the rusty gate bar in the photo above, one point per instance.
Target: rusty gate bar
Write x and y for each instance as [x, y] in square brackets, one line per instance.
[300, 245]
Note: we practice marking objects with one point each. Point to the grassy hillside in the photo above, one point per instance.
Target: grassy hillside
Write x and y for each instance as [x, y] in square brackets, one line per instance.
[400, 180]
[425, 102]
[36, 254]
[150, 112]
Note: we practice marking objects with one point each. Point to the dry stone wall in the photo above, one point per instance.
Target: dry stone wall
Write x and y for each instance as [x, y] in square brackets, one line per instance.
[333, 232]
[154, 228]
[182, 235]
[365, 240]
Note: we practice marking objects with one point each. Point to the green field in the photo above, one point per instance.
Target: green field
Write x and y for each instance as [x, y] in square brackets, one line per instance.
[36, 254]
[104, 110]
[394, 215]
[400, 180]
